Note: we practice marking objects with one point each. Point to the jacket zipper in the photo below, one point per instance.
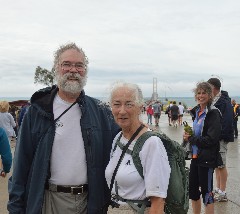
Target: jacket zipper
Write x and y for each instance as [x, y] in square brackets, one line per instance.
[89, 144]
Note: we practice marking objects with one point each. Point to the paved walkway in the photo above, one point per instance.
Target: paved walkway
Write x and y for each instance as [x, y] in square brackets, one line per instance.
[3, 188]
[233, 160]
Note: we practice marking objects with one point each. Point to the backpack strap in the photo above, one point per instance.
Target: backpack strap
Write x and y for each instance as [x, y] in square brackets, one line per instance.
[115, 146]
[121, 146]
[173, 149]
[138, 147]
[176, 202]
[123, 153]
[137, 205]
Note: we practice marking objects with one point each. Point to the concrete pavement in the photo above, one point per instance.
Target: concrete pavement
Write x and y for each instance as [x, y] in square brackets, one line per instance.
[3, 187]
[233, 166]
[233, 160]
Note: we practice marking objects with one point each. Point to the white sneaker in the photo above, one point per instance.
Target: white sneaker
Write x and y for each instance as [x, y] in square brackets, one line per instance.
[216, 195]
[222, 197]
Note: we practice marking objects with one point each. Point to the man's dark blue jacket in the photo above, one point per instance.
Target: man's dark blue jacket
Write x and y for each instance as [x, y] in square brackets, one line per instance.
[225, 107]
[34, 145]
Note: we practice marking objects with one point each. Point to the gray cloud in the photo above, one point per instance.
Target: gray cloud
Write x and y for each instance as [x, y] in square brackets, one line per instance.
[178, 42]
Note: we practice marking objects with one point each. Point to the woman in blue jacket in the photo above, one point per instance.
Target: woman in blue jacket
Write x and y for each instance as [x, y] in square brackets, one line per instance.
[205, 148]
[5, 152]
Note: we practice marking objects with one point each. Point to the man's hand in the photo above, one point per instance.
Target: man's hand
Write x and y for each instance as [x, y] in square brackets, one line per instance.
[3, 174]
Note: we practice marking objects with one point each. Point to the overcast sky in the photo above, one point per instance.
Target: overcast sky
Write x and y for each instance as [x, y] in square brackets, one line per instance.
[179, 42]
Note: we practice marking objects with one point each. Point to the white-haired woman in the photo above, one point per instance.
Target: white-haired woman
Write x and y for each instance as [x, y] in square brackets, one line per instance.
[6, 120]
[126, 101]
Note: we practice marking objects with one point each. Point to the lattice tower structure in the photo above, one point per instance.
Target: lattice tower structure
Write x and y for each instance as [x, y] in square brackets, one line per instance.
[154, 94]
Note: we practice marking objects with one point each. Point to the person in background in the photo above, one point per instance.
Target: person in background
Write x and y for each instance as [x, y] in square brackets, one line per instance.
[5, 153]
[174, 112]
[205, 147]
[169, 113]
[6, 120]
[181, 111]
[223, 102]
[149, 114]
[22, 113]
[12, 111]
[63, 146]
[236, 111]
[17, 116]
[126, 101]
[144, 109]
[157, 108]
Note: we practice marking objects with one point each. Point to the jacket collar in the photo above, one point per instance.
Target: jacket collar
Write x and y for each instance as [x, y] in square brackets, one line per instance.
[44, 99]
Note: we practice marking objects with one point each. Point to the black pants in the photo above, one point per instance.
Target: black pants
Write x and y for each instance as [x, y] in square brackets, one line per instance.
[235, 127]
[201, 183]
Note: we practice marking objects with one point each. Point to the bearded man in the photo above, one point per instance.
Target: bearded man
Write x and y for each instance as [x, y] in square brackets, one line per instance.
[63, 145]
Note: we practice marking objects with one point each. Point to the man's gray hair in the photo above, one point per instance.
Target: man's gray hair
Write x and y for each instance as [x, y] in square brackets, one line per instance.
[138, 95]
[66, 47]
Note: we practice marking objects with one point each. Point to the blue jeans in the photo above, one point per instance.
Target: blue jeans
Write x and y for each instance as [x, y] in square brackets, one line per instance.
[149, 118]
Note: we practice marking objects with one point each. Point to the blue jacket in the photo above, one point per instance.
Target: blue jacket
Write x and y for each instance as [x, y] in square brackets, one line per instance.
[225, 107]
[5, 151]
[33, 152]
[208, 142]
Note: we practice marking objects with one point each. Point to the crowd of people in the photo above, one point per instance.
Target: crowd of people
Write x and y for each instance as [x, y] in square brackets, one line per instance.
[175, 112]
[10, 120]
[69, 154]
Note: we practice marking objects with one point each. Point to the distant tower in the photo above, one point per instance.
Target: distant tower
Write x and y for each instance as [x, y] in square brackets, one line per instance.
[154, 94]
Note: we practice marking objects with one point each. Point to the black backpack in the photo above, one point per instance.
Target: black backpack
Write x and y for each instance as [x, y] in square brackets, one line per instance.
[177, 201]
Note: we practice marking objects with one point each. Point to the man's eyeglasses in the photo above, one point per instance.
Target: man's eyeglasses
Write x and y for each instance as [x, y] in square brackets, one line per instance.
[67, 66]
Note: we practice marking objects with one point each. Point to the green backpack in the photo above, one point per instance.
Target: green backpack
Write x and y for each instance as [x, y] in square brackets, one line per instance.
[177, 201]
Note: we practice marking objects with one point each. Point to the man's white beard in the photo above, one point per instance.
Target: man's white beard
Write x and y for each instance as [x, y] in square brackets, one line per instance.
[71, 86]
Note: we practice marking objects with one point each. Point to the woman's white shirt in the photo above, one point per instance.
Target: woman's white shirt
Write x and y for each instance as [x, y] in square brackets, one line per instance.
[7, 123]
[156, 170]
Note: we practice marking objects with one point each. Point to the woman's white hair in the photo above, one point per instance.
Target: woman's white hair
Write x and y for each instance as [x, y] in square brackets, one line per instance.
[137, 92]
[4, 106]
